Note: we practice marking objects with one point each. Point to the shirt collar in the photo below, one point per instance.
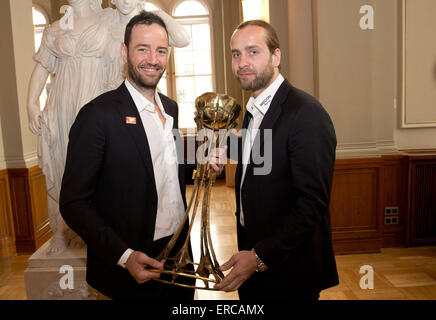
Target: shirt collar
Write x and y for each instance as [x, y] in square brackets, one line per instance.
[263, 101]
[141, 102]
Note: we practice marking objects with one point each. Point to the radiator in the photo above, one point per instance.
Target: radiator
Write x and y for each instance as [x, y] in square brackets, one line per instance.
[422, 201]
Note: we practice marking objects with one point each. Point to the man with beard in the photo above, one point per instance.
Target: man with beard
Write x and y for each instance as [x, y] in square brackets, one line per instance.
[283, 220]
[123, 190]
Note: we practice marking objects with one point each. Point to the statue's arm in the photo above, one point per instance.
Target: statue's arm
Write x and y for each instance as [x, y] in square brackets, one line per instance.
[178, 36]
[36, 85]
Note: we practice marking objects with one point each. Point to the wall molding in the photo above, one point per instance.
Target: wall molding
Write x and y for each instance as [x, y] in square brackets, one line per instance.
[29, 207]
[355, 207]
[27, 160]
[424, 118]
[3, 164]
[7, 234]
[365, 150]
[362, 189]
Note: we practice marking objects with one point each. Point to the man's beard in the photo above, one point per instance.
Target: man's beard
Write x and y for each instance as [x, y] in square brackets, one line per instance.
[139, 80]
[261, 81]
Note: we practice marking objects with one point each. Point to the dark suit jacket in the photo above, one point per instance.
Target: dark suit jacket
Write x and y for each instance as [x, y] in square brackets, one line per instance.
[286, 212]
[108, 191]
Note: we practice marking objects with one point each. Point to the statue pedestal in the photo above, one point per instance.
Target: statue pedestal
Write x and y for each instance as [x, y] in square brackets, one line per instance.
[44, 281]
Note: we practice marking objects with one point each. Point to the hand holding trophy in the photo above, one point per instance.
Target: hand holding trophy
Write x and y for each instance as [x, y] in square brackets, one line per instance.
[213, 112]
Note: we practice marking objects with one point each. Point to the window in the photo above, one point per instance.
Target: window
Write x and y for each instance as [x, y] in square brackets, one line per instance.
[39, 24]
[192, 66]
[40, 21]
[255, 9]
[190, 8]
[149, 6]
[190, 70]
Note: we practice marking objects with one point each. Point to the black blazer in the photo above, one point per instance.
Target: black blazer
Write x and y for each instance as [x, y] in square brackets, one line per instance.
[108, 193]
[286, 212]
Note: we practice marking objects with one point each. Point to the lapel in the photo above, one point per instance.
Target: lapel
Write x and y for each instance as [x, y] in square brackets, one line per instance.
[127, 108]
[269, 120]
[238, 173]
[167, 109]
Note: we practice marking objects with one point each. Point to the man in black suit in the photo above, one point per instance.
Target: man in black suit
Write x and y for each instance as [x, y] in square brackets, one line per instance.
[282, 209]
[123, 190]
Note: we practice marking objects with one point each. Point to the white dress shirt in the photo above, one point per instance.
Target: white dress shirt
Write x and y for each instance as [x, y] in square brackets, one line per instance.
[257, 108]
[170, 207]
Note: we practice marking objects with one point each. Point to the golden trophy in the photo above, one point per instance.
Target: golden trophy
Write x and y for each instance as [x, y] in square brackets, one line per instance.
[213, 112]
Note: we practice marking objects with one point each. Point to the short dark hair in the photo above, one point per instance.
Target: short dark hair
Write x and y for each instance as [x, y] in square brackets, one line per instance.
[144, 17]
[272, 40]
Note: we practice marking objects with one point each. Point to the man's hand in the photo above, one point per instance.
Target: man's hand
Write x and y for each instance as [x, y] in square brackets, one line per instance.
[136, 264]
[218, 159]
[244, 264]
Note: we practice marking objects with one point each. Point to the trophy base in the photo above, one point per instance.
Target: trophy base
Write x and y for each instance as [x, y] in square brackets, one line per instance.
[186, 274]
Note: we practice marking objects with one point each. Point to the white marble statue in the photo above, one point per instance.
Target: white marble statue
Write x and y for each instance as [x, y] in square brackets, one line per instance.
[76, 59]
[85, 62]
[125, 10]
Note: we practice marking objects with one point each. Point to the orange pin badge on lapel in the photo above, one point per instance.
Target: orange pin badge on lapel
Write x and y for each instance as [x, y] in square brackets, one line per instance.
[130, 120]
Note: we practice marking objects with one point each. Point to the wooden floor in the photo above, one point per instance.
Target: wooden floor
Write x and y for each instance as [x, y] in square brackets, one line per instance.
[399, 273]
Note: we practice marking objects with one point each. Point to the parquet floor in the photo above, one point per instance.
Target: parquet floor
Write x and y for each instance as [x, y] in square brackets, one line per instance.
[399, 273]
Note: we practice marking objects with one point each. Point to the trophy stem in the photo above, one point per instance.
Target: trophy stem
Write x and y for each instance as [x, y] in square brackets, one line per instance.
[195, 195]
[201, 169]
[206, 229]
